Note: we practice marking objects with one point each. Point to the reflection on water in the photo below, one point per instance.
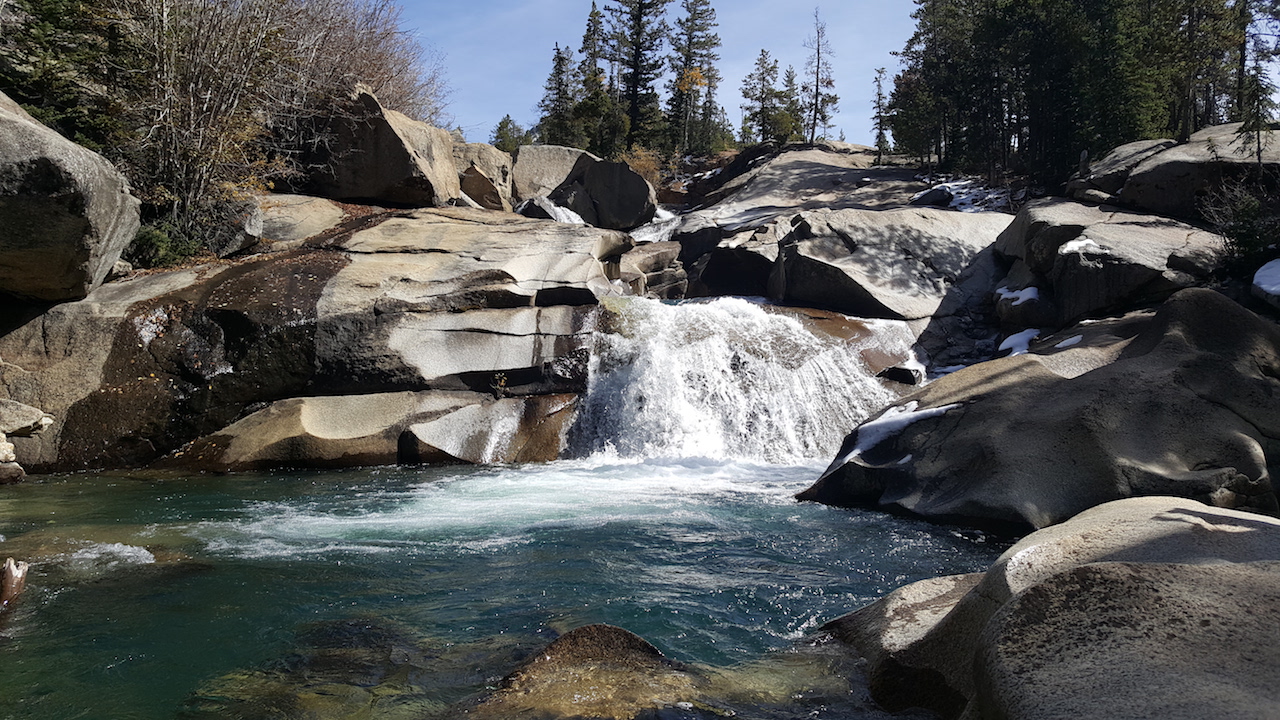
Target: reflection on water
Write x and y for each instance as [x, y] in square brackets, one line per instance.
[150, 596]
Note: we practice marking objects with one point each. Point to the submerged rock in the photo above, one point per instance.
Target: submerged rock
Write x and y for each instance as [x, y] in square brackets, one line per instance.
[597, 671]
[1185, 408]
[1136, 608]
[13, 580]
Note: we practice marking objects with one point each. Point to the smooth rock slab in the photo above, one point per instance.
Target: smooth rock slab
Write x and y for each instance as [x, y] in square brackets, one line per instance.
[998, 647]
[894, 264]
[1187, 408]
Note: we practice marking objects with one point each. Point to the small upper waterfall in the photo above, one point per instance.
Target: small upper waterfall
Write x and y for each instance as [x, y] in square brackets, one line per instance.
[726, 379]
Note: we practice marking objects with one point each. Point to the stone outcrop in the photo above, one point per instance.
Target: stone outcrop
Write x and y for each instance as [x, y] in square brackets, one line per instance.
[17, 420]
[608, 195]
[384, 156]
[1182, 408]
[604, 194]
[495, 309]
[1177, 181]
[482, 190]
[66, 213]
[291, 218]
[436, 427]
[495, 165]
[1069, 261]
[895, 264]
[1107, 177]
[1137, 608]
[540, 169]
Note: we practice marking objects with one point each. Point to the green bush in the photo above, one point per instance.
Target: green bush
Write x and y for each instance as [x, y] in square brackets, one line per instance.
[160, 245]
[1247, 215]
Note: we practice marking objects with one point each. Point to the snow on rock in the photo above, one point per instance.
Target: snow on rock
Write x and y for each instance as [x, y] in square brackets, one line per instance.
[1018, 296]
[1266, 283]
[1069, 342]
[1019, 343]
[1082, 245]
[890, 423]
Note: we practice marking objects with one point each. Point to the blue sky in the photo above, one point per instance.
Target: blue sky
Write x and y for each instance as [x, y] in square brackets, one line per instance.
[498, 52]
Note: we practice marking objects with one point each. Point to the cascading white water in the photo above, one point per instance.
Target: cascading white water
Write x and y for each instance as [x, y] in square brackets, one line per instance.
[725, 379]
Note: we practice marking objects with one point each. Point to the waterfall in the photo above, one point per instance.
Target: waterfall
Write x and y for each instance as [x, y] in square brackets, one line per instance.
[726, 379]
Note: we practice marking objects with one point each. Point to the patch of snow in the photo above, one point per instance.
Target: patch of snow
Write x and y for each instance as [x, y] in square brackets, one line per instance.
[1082, 245]
[1267, 279]
[151, 325]
[1069, 342]
[565, 215]
[1018, 296]
[893, 421]
[1019, 343]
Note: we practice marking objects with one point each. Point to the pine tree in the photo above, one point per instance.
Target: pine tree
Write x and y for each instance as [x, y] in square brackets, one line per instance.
[792, 97]
[558, 125]
[880, 118]
[508, 136]
[599, 117]
[820, 102]
[595, 53]
[637, 34]
[764, 112]
[692, 62]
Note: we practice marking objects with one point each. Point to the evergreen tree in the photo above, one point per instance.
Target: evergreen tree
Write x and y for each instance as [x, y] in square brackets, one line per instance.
[792, 99]
[880, 118]
[692, 62]
[820, 101]
[558, 125]
[764, 112]
[508, 136]
[600, 118]
[637, 34]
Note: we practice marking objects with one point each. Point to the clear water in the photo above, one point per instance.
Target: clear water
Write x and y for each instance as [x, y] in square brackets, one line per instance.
[297, 595]
[160, 587]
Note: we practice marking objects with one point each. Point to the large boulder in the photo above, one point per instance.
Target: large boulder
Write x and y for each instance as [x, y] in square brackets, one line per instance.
[608, 195]
[1184, 408]
[493, 163]
[483, 191]
[66, 213]
[540, 169]
[1178, 181]
[1107, 176]
[387, 429]
[1070, 260]
[895, 264]
[384, 156]
[1143, 607]
[459, 300]
[290, 218]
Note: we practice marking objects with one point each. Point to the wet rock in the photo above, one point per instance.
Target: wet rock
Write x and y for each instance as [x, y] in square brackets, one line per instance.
[597, 671]
[936, 197]
[386, 429]
[1136, 607]
[13, 580]
[1025, 442]
[496, 307]
[67, 213]
[384, 156]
